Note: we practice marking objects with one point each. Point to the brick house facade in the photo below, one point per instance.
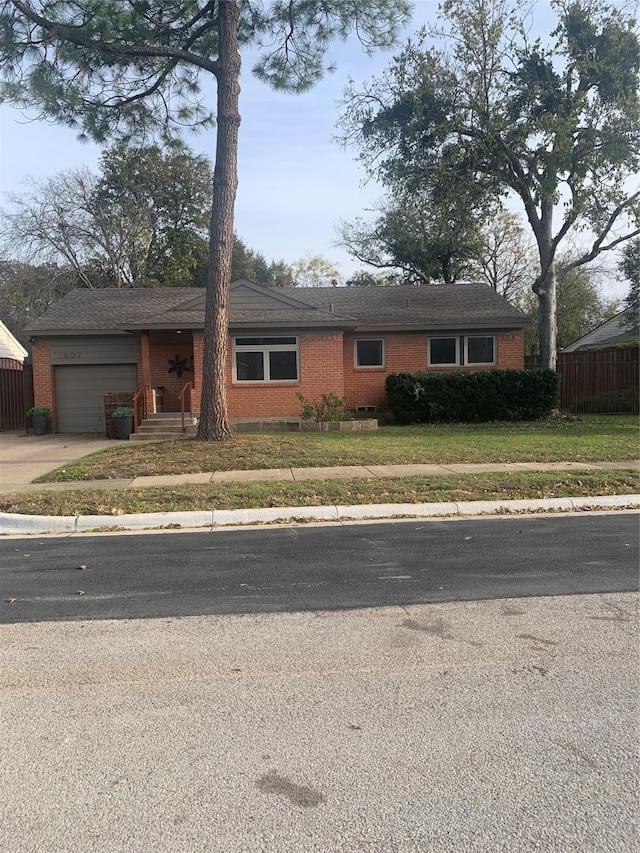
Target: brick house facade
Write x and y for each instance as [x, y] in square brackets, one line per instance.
[311, 341]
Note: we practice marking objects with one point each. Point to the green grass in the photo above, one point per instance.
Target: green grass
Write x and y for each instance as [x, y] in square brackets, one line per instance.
[492, 486]
[584, 439]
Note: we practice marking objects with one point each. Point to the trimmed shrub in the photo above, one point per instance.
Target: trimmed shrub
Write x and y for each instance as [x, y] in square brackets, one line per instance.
[616, 401]
[482, 395]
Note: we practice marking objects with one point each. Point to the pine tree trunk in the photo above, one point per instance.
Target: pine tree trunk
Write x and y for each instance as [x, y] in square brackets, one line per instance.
[214, 422]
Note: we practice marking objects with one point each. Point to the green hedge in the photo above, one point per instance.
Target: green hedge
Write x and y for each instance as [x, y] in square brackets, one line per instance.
[616, 401]
[480, 395]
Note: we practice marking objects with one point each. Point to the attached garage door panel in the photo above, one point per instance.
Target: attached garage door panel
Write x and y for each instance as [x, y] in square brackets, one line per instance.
[80, 391]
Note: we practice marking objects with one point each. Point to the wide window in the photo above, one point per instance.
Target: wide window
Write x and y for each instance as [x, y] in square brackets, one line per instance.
[465, 350]
[369, 353]
[259, 359]
[480, 350]
[443, 351]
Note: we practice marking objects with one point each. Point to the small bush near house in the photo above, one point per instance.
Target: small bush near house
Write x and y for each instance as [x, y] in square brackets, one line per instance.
[483, 395]
[329, 408]
[616, 401]
[123, 412]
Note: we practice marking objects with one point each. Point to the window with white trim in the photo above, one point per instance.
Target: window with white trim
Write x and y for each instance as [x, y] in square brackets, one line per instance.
[262, 359]
[461, 351]
[369, 352]
[480, 350]
[443, 351]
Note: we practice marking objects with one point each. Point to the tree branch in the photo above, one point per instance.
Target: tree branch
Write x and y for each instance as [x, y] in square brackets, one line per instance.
[114, 48]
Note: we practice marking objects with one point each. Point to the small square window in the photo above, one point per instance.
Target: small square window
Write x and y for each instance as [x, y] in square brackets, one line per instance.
[283, 365]
[369, 353]
[443, 351]
[250, 366]
[481, 350]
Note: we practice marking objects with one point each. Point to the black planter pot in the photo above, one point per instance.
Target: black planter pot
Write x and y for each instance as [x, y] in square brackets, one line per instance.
[39, 424]
[124, 427]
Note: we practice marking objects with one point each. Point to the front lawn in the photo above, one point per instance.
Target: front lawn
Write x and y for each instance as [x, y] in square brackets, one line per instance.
[585, 439]
[491, 486]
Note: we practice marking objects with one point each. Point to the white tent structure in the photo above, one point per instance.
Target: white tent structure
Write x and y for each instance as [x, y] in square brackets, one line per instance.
[614, 331]
[10, 348]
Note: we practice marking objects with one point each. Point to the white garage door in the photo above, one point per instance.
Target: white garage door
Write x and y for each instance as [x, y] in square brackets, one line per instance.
[80, 390]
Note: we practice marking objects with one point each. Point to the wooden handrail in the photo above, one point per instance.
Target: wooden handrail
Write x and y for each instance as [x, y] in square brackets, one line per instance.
[183, 391]
[141, 394]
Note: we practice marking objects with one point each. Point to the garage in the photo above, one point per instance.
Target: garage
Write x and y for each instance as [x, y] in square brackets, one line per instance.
[80, 391]
[84, 370]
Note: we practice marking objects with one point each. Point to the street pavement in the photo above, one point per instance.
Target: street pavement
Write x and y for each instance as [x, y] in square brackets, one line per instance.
[315, 567]
[503, 725]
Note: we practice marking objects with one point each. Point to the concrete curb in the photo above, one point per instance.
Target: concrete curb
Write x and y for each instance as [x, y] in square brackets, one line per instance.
[12, 523]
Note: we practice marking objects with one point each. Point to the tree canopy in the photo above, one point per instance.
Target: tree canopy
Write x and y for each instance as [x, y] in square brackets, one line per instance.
[252, 265]
[140, 221]
[410, 235]
[553, 124]
[629, 266]
[315, 271]
[136, 70]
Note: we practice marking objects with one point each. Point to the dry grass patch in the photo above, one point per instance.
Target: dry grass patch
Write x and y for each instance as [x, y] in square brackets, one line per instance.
[494, 486]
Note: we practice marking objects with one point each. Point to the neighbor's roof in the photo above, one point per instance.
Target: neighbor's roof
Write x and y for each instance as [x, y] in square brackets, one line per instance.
[443, 306]
[10, 347]
[611, 332]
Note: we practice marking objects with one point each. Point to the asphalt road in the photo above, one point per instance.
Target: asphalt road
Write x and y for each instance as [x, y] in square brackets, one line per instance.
[325, 567]
[462, 727]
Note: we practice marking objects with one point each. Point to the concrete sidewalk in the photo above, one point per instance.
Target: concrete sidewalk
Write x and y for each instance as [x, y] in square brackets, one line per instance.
[344, 472]
[22, 458]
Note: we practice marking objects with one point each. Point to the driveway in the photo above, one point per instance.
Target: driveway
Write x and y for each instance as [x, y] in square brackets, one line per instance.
[25, 457]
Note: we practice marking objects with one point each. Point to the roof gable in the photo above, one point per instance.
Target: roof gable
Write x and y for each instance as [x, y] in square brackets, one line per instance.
[246, 295]
[616, 330]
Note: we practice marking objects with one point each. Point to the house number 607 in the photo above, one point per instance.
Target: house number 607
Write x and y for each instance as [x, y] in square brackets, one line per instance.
[71, 354]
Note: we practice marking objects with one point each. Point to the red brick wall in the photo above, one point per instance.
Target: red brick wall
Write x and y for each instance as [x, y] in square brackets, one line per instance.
[321, 372]
[365, 386]
[198, 351]
[511, 352]
[326, 365]
[43, 384]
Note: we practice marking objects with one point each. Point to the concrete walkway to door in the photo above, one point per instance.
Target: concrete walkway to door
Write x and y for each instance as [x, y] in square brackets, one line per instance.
[24, 457]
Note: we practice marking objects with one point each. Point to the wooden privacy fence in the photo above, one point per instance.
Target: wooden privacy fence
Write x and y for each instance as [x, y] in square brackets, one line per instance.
[16, 395]
[601, 381]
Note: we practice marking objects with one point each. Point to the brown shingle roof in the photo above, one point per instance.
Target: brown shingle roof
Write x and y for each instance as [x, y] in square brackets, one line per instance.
[91, 310]
[427, 307]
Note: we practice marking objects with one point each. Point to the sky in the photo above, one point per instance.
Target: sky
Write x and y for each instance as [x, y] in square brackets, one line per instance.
[296, 183]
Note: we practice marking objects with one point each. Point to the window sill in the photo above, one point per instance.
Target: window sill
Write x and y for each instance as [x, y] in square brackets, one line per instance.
[262, 383]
